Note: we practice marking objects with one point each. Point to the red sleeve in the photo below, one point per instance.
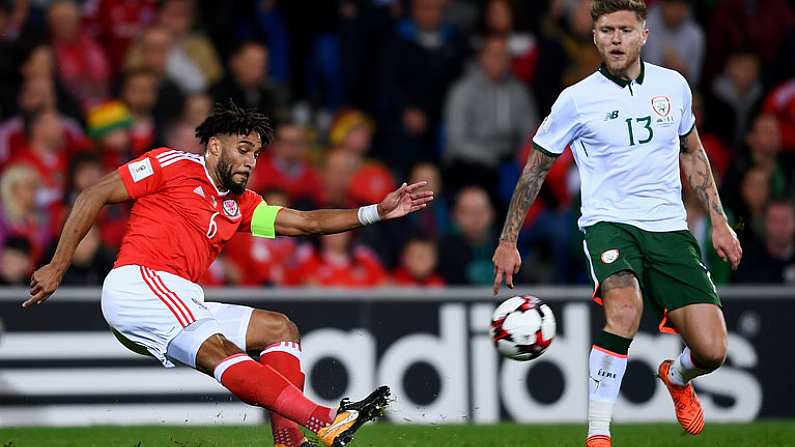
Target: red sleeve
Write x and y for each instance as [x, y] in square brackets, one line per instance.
[144, 175]
[248, 202]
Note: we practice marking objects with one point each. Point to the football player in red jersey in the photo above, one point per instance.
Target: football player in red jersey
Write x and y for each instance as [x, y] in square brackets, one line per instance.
[186, 207]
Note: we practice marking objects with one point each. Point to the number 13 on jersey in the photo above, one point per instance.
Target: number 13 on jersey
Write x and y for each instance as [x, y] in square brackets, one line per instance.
[646, 121]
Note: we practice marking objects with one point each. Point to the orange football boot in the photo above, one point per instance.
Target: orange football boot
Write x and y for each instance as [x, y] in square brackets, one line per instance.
[598, 441]
[688, 408]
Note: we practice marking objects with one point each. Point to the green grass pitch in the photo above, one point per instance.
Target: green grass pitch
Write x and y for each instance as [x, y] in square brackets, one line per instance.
[758, 434]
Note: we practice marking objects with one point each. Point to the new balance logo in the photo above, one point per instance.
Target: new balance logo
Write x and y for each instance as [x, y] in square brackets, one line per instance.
[611, 115]
[199, 191]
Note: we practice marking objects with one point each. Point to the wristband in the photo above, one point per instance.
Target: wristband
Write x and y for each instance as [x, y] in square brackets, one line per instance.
[368, 214]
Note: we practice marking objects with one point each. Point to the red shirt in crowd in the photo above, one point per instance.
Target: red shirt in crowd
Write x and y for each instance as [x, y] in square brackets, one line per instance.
[781, 103]
[402, 277]
[298, 182]
[261, 261]
[84, 70]
[179, 221]
[116, 23]
[361, 268]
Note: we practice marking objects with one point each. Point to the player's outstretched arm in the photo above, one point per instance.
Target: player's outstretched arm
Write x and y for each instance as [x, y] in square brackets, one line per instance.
[699, 175]
[506, 257]
[404, 200]
[45, 280]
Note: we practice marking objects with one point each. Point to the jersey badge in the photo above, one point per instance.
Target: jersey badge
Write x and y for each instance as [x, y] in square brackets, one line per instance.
[230, 208]
[199, 191]
[140, 170]
[610, 256]
[661, 105]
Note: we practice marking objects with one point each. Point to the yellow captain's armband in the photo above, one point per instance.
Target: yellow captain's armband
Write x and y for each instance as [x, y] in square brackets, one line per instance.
[263, 221]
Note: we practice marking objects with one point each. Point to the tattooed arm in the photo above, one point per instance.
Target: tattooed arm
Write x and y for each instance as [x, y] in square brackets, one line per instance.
[699, 175]
[506, 258]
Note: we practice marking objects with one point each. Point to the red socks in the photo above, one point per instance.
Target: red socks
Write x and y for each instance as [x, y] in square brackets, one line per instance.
[285, 358]
[263, 386]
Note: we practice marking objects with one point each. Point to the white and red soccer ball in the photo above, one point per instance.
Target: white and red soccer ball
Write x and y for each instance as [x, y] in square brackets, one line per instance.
[522, 327]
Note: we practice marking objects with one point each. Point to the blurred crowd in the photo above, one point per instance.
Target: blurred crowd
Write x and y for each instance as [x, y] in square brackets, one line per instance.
[365, 95]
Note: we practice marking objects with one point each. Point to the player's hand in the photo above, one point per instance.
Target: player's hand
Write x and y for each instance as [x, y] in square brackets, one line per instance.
[507, 261]
[404, 200]
[43, 283]
[726, 244]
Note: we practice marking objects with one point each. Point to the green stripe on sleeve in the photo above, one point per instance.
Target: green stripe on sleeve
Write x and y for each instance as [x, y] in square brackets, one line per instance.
[263, 221]
[538, 147]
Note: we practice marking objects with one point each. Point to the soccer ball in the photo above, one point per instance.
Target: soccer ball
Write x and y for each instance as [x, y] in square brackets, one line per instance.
[522, 327]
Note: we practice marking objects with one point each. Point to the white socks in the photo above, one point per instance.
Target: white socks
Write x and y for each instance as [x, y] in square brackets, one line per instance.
[607, 370]
[683, 370]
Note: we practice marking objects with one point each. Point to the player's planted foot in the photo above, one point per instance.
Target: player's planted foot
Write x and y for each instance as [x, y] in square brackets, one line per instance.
[352, 415]
[598, 441]
[686, 403]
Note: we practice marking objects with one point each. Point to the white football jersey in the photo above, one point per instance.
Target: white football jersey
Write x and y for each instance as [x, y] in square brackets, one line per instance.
[625, 140]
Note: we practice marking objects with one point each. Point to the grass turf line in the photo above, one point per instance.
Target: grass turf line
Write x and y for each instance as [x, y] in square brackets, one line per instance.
[766, 433]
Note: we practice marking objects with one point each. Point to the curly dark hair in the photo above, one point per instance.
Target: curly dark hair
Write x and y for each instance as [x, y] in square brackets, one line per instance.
[602, 7]
[234, 120]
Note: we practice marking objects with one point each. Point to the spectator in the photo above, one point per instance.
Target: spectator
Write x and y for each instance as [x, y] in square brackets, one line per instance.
[261, 261]
[109, 126]
[192, 62]
[85, 169]
[91, 261]
[246, 82]
[781, 103]
[352, 132]
[15, 262]
[465, 256]
[139, 94]
[284, 166]
[577, 39]
[339, 263]
[45, 152]
[19, 214]
[151, 52]
[764, 153]
[420, 64]
[433, 222]
[500, 20]
[36, 94]
[181, 134]
[773, 259]
[81, 63]
[338, 169]
[754, 196]
[676, 41]
[736, 93]
[117, 23]
[489, 116]
[418, 265]
[713, 137]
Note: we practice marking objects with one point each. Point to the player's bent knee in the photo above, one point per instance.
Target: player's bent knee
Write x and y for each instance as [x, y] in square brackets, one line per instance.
[214, 350]
[272, 327]
[711, 356]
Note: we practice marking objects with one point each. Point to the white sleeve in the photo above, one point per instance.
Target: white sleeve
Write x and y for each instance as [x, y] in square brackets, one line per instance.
[688, 121]
[559, 128]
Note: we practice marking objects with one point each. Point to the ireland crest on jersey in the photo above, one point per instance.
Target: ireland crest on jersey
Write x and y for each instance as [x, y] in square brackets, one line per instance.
[661, 105]
[230, 208]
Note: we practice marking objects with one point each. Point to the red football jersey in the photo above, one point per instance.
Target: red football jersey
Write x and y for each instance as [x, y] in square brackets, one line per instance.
[179, 221]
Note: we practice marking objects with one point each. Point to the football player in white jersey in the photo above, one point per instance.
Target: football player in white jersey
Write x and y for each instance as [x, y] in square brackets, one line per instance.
[630, 127]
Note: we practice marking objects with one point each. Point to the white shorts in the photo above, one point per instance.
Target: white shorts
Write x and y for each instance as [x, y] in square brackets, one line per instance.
[167, 315]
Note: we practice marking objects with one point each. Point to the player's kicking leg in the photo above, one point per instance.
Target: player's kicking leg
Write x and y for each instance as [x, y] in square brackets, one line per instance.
[608, 360]
[704, 332]
[263, 386]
